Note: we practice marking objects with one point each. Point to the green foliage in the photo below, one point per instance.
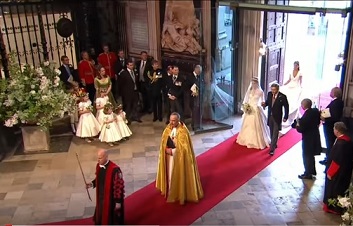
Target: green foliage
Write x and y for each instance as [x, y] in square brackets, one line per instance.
[33, 95]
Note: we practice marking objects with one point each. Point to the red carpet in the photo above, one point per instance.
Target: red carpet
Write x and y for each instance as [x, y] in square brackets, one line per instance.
[223, 169]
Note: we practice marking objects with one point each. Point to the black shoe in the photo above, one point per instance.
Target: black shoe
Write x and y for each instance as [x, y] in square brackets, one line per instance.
[167, 122]
[305, 177]
[160, 120]
[323, 162]
[272, 152]
[154, 119]
[129, 123]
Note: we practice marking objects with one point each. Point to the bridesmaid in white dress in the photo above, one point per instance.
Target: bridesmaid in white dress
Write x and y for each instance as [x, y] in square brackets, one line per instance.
[293, 90]
[122, 123]
[110, 132]
[254, 132]
[88, 126]
[100, 103]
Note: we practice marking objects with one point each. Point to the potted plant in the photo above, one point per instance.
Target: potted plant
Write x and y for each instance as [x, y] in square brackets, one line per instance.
[32, 98]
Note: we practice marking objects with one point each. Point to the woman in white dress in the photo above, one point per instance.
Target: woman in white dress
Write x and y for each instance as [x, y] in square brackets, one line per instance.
[254, 132]
[293, 90]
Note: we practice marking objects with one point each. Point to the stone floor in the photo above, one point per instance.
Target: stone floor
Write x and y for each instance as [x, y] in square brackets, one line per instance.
[44, 188]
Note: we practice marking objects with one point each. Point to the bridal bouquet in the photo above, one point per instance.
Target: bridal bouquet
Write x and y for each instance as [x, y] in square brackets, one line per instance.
[247, 108]
[345, 203]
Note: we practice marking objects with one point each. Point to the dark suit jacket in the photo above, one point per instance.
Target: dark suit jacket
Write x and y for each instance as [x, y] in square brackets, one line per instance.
[127, 85]
[64, 76]
[148, 67]
[176, 88]
[277, 109]
[119, 66]
[309, 128]
[336, 111]
[157, 86]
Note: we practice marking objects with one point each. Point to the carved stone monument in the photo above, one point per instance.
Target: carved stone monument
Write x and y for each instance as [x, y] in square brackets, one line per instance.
[181, 28]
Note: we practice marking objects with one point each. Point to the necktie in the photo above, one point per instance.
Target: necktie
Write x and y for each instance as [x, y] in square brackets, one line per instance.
[174, 78]
[142, 70]
[273, 99]
[68, 70]
[133, 78]
[122, 62]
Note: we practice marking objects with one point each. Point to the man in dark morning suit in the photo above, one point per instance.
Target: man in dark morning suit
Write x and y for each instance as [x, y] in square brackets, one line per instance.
[336, 112]
[275, 102]
[119, 67]
[166, 83]
[308, 126]
[194, 89]
[129, 92]
[155, 78]
[143, 66]
[175, 86]
[68, 74]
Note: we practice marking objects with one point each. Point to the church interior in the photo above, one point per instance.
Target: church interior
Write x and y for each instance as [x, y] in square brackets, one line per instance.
[234, 42]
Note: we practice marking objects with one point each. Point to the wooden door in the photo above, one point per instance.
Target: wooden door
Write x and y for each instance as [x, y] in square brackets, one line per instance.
[275, 29]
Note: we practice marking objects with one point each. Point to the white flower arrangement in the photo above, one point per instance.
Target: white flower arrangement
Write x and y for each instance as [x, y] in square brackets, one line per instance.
[33, 95]
[345, 202]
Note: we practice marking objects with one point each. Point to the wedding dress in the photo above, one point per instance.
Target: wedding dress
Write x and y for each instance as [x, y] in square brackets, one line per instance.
[254, 132]
[293, 91]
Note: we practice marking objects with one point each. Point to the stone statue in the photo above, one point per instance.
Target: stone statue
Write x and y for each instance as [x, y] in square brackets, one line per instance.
[181, 28]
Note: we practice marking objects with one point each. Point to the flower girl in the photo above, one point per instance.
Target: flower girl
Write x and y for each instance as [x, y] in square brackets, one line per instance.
[88, 126]
[122, 123]
[100, 103]
[74, 90]
[110, 132]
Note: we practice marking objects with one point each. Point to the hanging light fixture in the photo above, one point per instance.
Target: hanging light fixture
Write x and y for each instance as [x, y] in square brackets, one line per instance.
[263, 48]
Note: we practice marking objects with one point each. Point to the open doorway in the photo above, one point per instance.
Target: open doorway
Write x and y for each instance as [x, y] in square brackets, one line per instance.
[317, 42]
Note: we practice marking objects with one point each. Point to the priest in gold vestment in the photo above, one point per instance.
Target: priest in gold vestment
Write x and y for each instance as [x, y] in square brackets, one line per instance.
[178, 177]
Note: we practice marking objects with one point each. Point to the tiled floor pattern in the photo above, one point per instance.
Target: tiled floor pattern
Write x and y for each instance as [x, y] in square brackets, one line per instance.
[44, 188]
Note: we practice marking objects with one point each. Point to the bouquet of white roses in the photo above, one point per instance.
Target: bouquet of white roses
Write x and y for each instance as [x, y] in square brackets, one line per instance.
[33, 95]
[345, 202]
[247, 108]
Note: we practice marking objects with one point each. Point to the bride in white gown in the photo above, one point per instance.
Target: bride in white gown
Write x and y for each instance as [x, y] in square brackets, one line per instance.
[254, 132]
[293, 90]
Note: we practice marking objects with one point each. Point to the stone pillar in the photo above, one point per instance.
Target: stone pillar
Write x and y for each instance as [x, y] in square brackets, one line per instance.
[248, 53]
[348, 82]
[207, 36]
[154, 29]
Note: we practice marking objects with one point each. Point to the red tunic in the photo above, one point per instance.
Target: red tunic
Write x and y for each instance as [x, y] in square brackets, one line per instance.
[113, 193]
[86, 71]
[108, 61]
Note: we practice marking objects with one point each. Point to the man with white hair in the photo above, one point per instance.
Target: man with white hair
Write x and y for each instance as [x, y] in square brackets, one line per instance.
[109, 184]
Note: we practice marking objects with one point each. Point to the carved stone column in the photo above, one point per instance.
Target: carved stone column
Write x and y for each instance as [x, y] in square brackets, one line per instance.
[154, 29]
[207, 36]
[348, 82]
[248, 54]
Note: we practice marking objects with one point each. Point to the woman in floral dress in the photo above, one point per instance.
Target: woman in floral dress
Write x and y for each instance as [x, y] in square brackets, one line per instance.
[103, 83]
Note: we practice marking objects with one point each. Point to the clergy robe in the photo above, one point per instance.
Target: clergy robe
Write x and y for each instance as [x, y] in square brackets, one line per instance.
[109, 184]
[339, 168]
[178, 178]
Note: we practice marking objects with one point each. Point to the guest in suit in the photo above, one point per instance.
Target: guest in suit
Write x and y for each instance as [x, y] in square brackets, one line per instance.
[167, 82]
[129, 92]
[176, 86]
[308, 126]
[336, 112]
[155, 79]
[338, 169]
[108, 60]
[68, 74]
[194, 90]
[143, 66]
[87, 73]
[120, 66]
[275, 102]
